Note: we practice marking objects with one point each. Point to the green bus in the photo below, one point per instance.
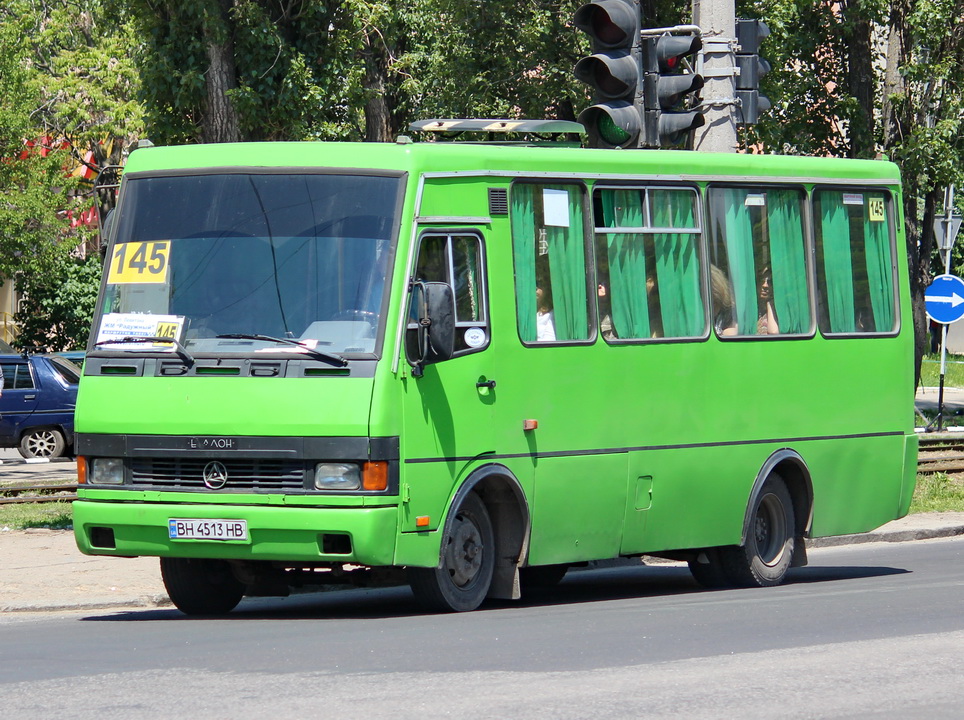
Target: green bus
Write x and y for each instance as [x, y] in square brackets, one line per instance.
[472, 366]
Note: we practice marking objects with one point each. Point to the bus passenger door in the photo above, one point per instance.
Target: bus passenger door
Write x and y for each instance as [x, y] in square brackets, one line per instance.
[448, 411]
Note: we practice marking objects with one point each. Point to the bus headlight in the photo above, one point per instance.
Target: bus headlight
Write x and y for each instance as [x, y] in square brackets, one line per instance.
[337, 476]
[105, 471]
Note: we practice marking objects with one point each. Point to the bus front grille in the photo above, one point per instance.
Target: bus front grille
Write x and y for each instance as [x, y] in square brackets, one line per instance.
[249, 475]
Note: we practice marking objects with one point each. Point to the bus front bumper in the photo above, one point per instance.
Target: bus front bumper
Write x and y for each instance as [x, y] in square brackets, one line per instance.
[282, 534]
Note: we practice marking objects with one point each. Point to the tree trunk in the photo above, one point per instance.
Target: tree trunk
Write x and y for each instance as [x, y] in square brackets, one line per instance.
[860, 78]
[379, 124]
[219, 121]
[894, 123]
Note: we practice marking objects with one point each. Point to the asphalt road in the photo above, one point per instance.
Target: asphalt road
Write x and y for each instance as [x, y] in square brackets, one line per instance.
[872, 630]
[14, 470]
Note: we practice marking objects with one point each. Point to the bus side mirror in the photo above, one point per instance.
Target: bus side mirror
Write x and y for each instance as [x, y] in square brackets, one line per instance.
[436, 323]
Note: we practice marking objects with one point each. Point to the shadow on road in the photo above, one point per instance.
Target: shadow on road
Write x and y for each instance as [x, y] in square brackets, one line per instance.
[585, 586]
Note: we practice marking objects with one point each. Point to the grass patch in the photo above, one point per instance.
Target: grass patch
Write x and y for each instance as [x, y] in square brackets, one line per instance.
[930, 371]
[938, 493]
[20, 516]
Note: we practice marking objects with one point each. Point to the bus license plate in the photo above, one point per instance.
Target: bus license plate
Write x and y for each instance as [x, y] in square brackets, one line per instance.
[196, 529]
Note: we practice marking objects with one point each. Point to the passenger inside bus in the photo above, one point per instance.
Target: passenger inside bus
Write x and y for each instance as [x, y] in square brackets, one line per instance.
[606, 324]
[767, 322]
[724, 317]
[545, 323]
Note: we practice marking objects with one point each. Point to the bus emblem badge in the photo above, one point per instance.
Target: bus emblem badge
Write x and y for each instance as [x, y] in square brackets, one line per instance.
[215, 475]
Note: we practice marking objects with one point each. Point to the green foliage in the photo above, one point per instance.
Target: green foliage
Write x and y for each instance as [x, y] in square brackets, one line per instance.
[938, 493]
[20, 516]
[288, 63]
[67, 89]
[931, 369]
[57, 304]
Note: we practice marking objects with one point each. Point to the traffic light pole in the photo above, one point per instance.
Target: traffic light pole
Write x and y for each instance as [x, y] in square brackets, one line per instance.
[717, 19]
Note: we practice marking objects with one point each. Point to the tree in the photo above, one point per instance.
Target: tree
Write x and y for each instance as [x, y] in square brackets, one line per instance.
[66, 107]
[249, 70]
[57, 302]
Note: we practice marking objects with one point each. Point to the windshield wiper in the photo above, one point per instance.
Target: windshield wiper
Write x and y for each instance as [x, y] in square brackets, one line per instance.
[178, 348]
[320, 354]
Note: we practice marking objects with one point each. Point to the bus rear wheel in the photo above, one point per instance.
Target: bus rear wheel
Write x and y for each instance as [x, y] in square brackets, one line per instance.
[462, 578]
[201, 587]
[768, 551]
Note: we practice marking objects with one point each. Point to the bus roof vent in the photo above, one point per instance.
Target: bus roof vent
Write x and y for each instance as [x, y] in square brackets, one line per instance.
[498, 201]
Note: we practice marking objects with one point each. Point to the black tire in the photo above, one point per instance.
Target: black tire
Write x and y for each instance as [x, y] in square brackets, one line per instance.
[463, 576]
[537, 579]
[710, 574]
[201, 587]
[42, 443]
[768, 552]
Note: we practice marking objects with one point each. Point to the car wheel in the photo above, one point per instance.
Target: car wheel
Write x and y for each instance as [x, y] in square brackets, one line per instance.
[464, 573]
[42, 443]
[201, 587]
[768, 552]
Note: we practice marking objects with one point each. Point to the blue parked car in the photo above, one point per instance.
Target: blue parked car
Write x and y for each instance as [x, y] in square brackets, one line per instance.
[37, 404]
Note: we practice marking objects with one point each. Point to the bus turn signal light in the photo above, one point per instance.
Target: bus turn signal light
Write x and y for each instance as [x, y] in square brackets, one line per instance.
[375, 476]
[422, 521]
[81, 470]
[530, 425]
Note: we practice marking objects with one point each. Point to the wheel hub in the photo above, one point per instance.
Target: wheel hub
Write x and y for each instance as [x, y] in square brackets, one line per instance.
[41, 444]
[464, 552]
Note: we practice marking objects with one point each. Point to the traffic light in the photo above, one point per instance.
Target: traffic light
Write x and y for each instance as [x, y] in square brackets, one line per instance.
[749, 34]
[670, 114]
[614, 119]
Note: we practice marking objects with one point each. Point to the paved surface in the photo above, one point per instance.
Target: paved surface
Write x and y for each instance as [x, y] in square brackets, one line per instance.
[42, 570]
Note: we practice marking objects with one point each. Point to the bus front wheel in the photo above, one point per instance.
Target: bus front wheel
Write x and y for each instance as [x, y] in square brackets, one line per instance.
[201, 587]
[462, 578]
[765, 557]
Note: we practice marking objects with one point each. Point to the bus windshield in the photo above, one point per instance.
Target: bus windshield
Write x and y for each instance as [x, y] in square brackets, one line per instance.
[302, 257]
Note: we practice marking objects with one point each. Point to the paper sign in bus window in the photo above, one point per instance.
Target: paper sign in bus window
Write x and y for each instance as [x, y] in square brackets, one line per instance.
[139, 262]
[555, 208]
[116, 326]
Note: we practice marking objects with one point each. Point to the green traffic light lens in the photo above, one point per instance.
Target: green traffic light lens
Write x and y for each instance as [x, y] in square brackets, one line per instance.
[610, 132]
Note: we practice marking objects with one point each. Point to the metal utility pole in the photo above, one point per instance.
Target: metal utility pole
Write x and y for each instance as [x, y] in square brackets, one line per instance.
[717, 19]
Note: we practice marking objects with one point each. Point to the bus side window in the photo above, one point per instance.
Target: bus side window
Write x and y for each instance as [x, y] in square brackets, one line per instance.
[458, 261]
[647, 242]
[549, 253]
[855, 261]
[758, 261]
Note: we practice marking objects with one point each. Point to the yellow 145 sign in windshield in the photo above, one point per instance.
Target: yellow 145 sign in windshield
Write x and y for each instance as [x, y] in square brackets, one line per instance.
[139, 262]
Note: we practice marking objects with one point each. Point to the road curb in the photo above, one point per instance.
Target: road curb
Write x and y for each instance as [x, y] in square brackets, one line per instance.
[145, 601]
[890, 536]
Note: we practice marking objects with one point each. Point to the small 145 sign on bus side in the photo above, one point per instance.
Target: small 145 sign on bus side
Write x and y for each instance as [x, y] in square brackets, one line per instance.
[139, 262]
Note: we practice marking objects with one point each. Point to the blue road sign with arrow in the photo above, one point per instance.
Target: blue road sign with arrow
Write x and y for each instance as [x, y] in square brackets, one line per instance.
[944, 299]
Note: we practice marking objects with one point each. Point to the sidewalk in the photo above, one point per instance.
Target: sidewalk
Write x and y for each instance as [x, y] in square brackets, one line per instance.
[42, 570]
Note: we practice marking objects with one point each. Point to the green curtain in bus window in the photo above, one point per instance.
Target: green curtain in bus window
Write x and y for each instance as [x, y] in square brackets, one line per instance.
[837, 263]
[524, 256]
[567, 265]
[627, 264]
[738, 236]
[879, 263]
[677, 264]
[788, 268]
